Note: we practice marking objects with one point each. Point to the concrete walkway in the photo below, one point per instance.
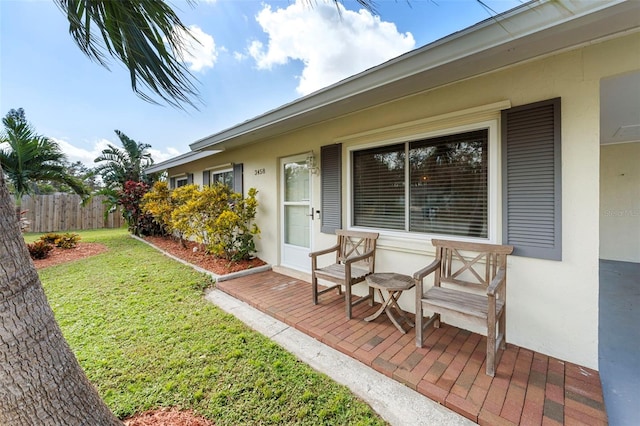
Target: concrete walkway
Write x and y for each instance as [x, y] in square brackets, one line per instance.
[394, 402]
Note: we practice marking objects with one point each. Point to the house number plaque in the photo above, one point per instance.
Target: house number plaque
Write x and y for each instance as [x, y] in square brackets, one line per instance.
[257, 172]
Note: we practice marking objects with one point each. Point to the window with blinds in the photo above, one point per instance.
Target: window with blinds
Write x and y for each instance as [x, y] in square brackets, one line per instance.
[436, 186]
[224, 177]
[379, 178]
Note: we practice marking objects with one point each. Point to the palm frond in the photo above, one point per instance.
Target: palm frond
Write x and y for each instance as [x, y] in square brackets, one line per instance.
[31, 158]
[143, 35]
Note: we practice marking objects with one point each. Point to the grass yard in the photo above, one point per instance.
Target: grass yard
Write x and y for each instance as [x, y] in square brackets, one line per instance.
[146, 338]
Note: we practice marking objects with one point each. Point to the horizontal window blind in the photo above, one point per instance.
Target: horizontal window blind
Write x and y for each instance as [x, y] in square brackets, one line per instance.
[379, 187]
[447, 179]
[449, 184]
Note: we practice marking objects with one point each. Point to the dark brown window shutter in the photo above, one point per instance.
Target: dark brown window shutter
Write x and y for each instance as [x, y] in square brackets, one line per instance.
[331, 188]
[237, 178]
[206, 178]
[531, 180]
[172, 183]
[189, 178]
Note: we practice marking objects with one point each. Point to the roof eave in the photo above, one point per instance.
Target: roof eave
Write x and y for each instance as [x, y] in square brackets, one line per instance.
[180, 160]
[501, 38]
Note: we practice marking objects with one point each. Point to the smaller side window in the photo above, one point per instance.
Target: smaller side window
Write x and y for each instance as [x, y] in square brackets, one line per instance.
[181, 182]
[222, 176]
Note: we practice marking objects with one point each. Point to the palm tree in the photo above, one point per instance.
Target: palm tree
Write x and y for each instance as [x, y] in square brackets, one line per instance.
[41, 382]
[30, 158]
[121, 165]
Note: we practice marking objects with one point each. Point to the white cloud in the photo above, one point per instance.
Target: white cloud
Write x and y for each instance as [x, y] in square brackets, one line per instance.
[331, 45]
[87, 155]
[200, 53]
[160, 156]
[239, 56]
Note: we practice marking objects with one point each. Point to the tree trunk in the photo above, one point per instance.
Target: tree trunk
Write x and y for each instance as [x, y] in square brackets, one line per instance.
[41, 382]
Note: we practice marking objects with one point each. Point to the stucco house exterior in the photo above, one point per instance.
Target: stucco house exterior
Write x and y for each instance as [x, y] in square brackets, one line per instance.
[523, 129]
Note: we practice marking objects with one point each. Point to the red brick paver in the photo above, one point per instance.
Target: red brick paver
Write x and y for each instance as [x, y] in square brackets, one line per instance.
[529, 388]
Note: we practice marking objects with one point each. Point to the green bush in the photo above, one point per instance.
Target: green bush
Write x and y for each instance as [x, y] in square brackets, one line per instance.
[39, 249]
[159, 203]
[213, 216]
[67, 241]
[197, 210]
[234, 229]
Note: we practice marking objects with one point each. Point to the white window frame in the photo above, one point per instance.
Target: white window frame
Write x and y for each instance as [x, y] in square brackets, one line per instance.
[218, 172]
[181, 178]
[493, 189]
[221, 168]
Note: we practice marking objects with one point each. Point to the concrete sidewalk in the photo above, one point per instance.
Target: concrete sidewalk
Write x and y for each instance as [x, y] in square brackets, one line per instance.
[394, 402]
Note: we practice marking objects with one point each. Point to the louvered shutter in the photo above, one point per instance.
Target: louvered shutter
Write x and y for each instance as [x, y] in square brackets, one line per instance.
[189, 178]
[237, 178]
[172, 183]
[206, 178]
[331, 188]
[532, 187]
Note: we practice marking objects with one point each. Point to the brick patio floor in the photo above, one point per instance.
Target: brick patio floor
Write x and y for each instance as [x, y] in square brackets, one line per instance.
[529, 388]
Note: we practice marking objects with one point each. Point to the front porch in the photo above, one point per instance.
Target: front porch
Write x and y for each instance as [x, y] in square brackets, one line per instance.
[529, 388]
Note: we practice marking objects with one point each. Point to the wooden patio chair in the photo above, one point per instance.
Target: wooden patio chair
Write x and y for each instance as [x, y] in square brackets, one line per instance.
[355, 256]
[475, 278]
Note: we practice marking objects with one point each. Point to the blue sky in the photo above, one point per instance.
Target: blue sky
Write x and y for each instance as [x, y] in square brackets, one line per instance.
[254, 56]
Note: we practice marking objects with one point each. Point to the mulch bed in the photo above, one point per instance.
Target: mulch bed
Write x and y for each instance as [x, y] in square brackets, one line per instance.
[59, 255]
[165, 417]
[194, 253]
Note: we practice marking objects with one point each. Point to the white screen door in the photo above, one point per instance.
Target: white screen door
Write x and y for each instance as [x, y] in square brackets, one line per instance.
[296, 213]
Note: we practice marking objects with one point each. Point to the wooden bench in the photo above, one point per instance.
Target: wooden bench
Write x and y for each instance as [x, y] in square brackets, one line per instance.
[474, 277]
[355, 257]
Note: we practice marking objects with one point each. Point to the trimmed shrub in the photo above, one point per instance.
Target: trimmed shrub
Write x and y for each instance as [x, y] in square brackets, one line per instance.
[130, 198]
[158, 203]
[234, 229]
[39, 249]
[67, 241]
[50, 238]
[213, 216]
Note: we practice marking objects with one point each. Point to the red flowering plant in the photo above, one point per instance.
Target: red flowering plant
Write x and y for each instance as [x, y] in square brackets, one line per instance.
[139, 222]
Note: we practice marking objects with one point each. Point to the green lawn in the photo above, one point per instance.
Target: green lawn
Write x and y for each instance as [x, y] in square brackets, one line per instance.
[140, 327]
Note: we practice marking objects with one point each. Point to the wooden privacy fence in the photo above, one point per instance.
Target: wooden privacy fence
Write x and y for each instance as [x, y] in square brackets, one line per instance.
[65, 212]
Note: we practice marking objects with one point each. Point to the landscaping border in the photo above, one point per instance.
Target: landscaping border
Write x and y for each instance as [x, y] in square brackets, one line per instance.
[216, 277]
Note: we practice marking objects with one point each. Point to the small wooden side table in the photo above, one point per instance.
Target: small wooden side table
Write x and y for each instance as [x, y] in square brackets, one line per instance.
[394, 284]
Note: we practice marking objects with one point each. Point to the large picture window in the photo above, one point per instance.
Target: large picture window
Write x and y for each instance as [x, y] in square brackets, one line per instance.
[437, 185]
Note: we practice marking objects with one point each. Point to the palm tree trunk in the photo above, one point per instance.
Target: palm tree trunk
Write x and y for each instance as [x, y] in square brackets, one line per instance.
[41, 382]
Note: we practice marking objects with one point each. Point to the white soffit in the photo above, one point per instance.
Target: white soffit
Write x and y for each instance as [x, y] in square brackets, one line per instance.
[620, 109]
[180, 160]
[532, 30]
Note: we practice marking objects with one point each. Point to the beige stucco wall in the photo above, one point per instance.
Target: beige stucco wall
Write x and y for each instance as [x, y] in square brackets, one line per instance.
[552, 306]
[620, 202]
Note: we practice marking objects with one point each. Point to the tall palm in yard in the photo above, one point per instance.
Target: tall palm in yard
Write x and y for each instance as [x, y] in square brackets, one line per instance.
[41, 382]
[120, 165]
[28, 158]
